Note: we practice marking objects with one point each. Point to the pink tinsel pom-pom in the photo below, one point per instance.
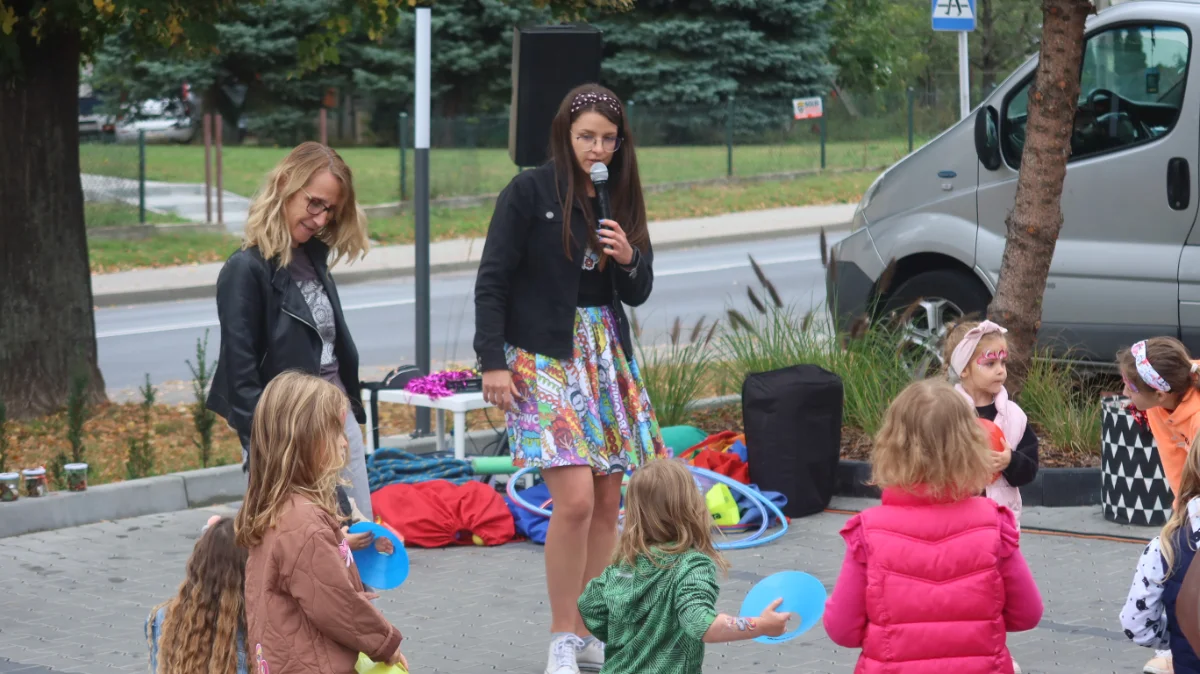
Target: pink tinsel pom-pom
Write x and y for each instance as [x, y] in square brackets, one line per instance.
[434, 385]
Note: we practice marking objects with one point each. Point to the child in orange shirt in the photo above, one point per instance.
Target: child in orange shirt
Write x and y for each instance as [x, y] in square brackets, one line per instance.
[1161, 380]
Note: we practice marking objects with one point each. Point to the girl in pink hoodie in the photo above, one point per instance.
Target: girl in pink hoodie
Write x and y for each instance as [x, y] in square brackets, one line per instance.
[933, 578]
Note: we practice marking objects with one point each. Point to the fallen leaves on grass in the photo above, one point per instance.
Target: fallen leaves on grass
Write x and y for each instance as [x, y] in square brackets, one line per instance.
[107, 434]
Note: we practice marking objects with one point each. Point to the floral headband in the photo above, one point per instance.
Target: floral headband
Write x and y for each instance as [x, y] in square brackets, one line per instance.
[966, 348]
[1146, 371]
[591, 98]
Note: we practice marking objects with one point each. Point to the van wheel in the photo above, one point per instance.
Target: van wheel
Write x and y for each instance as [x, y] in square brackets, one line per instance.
[924, 307]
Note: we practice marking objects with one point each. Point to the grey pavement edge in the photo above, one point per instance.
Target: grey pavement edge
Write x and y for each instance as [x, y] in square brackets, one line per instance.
[161, 493]
[188, 489]
[199, 281]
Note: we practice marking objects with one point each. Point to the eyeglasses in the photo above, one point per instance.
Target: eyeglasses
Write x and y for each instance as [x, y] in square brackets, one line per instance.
[315, 205]
[609, 143]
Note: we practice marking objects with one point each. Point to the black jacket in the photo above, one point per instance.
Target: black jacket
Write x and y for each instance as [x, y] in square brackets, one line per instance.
[267, 328]
[527, 287]
[1024, 464]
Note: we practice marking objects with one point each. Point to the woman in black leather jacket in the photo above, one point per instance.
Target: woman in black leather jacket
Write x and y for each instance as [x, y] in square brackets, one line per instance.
[278, 305]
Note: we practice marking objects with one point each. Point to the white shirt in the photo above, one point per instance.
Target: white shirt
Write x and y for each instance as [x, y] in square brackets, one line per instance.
[1144, 616]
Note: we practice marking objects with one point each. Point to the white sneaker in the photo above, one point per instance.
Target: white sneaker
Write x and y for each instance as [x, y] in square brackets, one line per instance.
[1160, 665]
[562, 654]
[1016, 667]
[591, 656]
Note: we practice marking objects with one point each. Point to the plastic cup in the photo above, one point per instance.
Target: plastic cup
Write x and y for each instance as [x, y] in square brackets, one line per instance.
[35, 482]
[803, 595]
[380, 571]
[10, 487]
[76, 476]
[366, 665]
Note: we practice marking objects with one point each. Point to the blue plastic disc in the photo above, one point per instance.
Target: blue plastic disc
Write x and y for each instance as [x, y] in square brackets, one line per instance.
[803, 595]
[380, 571]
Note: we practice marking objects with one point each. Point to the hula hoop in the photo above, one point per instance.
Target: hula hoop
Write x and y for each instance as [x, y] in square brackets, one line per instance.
[760, 502]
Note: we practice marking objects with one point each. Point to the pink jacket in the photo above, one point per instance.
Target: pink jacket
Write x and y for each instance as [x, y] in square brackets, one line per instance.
[931, 586]
[1012, 420]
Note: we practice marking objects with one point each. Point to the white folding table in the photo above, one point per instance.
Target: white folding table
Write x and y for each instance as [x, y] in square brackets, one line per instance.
[458, 405]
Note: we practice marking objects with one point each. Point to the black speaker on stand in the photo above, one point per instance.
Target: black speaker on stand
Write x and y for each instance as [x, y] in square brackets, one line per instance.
[547, 62]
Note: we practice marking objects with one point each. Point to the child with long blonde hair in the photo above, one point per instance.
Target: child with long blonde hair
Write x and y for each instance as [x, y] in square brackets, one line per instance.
[654, 607]
[203, 627]
[948, 558]
[976, 355]
[306, 608]
[1148, 616]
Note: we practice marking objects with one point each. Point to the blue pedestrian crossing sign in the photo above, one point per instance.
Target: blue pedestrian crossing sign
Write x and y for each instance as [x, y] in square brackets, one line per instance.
[954, 15]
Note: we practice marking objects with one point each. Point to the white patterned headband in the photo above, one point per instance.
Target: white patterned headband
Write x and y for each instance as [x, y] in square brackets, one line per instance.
[1146, 371]
[966, 348]
[591, 98]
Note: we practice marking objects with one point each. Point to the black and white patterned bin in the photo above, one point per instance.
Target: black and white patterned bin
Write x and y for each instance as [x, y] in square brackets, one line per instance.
[1134, 490]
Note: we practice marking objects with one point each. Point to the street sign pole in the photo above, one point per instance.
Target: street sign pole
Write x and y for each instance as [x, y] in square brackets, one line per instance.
[958, 16]
[964, 75]
[421, 200]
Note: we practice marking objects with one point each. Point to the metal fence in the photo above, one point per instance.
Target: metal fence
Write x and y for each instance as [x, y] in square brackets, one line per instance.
[684, 144]
[675, 144]
[113, 177]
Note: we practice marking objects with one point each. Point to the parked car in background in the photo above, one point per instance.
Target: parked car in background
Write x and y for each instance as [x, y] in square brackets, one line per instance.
[91, 122]
[162, 120]
[1127, 261]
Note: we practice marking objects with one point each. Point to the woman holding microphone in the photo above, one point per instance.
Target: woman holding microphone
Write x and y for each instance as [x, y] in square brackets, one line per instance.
[555, 347]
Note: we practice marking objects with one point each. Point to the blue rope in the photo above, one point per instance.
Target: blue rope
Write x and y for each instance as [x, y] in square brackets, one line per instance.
[394, 466]
[756, 499]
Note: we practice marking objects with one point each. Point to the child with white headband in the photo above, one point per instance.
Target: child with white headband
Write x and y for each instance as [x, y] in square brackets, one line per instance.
[1160, 379]
[976, 355]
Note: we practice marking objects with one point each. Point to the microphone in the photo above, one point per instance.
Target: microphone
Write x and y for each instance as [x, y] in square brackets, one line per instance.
[599, 175]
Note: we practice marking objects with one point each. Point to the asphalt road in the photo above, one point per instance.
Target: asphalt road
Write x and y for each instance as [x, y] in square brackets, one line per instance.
[160, 338]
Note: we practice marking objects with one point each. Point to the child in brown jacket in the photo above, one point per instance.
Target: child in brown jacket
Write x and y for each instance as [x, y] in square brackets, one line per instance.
[306, 609]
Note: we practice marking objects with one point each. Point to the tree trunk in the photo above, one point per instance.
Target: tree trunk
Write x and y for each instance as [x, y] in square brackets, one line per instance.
[46, 329]
[1036, 219]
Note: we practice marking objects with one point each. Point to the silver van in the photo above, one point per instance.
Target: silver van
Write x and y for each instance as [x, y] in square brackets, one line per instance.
[1127, 263]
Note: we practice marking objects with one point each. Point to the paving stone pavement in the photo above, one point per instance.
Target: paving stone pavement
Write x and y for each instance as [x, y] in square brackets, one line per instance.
[75, 600]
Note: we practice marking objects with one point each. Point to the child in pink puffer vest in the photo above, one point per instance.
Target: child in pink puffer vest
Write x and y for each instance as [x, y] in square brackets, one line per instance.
[933, 579]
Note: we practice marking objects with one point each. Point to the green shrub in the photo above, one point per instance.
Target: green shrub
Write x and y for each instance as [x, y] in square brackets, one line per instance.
[675, 374]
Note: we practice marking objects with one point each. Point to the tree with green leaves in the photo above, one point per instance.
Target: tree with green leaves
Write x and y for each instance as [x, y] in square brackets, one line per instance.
[890, 44]
[47, 298]
[253, 65]
[692, 55]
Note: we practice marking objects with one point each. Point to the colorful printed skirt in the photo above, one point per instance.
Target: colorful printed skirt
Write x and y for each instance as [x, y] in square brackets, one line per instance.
[591, 410]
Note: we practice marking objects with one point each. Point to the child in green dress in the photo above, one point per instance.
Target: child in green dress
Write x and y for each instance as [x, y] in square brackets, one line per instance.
[654, 607]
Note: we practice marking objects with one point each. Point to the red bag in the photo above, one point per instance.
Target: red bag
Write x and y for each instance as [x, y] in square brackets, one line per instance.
[439, 513]
[725, 463]
[719, 442]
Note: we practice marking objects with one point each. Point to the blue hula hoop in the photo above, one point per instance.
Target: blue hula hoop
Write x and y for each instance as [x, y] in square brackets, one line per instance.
[760, 502]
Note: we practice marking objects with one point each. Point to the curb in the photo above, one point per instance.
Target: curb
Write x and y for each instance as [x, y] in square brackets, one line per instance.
[1052, 488]
[120, 500]
[466, 201]
[161, 493]
[350, 276]
[130, 232]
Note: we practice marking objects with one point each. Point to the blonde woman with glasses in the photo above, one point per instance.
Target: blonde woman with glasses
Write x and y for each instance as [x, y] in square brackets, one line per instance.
[278, 304]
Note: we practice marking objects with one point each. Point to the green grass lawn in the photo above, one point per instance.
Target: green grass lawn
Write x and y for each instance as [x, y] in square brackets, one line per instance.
[116, 214]
[449, 223]
[456, 172]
